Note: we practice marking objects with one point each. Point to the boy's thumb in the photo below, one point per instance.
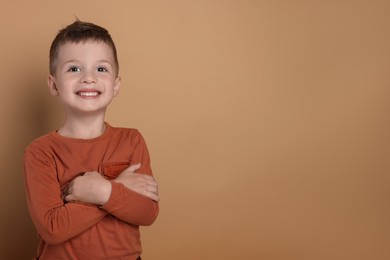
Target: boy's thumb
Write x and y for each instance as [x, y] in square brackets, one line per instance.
[134, 167]
[69, 198]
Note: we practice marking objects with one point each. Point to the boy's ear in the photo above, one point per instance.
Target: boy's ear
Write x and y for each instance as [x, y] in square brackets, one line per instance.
[117, 86]
[52, 85]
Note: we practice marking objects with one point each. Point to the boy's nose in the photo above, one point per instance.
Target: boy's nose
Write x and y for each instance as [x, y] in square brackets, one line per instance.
[88, 77]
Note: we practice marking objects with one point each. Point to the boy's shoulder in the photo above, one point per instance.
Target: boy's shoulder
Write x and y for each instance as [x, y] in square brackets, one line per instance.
[120, 129]
[123, 132]
[41, 141]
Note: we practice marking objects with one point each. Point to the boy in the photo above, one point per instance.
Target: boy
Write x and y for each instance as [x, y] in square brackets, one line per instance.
[89, 185]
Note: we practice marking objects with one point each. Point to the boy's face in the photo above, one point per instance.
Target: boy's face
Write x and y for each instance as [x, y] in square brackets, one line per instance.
[85, 78]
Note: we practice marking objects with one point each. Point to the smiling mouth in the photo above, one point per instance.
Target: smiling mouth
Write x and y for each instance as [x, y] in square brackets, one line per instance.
[88, 93]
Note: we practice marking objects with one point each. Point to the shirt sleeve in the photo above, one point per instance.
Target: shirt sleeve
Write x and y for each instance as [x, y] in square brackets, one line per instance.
[127, 205]
[54, 220]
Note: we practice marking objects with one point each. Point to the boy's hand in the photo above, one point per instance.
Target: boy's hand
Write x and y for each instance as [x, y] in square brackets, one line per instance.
[89, 188]
[141, 183]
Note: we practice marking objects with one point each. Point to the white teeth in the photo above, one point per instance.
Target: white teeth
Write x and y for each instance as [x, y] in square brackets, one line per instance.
[88, 94]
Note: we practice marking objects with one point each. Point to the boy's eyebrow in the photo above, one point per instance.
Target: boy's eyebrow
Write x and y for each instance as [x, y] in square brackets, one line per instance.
[71, 61]
[104, 61]
[78, 61]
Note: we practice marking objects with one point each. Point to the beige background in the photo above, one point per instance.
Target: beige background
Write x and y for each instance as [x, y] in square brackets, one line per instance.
[267, 121]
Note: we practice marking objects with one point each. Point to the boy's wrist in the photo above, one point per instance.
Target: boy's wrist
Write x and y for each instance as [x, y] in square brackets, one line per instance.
[105, 192]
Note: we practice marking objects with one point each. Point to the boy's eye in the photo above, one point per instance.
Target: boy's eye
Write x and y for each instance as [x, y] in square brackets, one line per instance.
[74, 69]
[102, 69]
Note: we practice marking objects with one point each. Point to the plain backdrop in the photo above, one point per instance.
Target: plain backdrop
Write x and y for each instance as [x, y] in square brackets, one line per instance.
[267, 121]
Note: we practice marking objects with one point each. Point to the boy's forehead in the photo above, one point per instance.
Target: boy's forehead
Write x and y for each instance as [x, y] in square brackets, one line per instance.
[84, 45]
[82, 49]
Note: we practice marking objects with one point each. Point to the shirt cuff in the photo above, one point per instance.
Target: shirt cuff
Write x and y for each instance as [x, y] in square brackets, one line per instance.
[116, 189]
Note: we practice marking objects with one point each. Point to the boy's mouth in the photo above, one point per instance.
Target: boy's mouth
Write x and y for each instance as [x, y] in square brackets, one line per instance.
[88, 93]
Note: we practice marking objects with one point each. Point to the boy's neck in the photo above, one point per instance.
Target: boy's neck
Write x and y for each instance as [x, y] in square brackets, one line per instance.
[84, 128]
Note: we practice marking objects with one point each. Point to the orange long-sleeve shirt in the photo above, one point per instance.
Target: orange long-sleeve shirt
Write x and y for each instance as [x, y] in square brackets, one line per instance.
[78, 230]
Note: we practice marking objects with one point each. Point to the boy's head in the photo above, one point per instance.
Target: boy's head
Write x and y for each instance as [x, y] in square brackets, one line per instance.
[80, 32]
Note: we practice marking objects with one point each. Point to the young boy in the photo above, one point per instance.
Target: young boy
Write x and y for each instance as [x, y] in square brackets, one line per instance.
[89, 185]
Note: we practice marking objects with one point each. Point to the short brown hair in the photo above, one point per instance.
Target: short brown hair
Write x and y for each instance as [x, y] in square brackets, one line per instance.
[80, 32]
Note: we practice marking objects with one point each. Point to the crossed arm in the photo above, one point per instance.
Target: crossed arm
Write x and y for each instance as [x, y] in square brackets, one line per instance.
[132, 198]
[92, 188]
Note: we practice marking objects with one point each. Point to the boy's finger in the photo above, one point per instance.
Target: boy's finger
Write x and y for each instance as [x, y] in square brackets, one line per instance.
[134, 167]
[153, 196]
[70, 197]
